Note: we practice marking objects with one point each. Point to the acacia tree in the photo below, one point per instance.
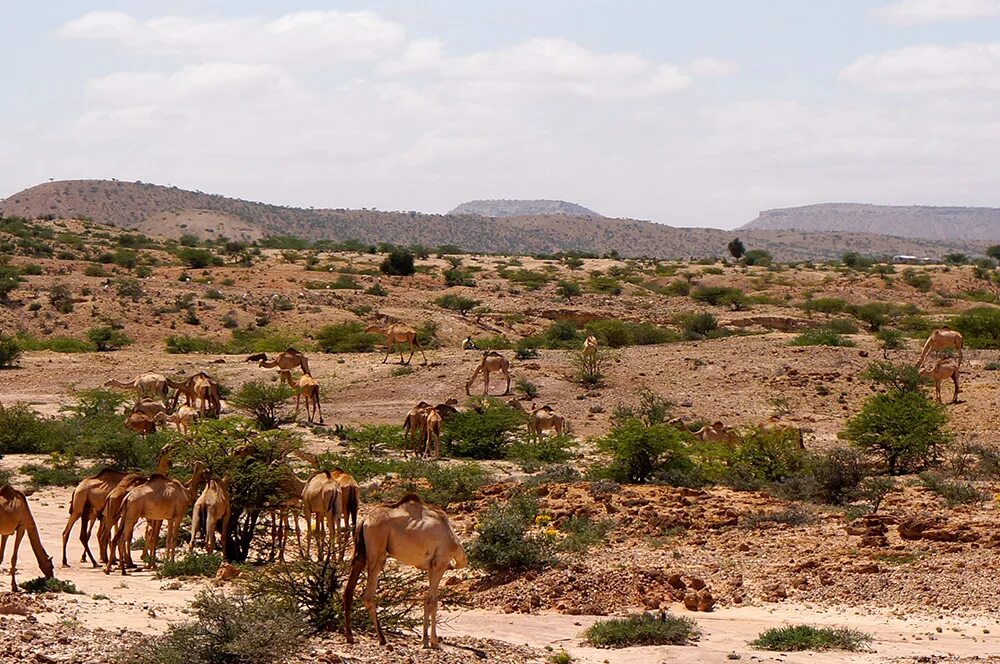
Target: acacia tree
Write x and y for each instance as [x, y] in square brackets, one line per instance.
[736, 248]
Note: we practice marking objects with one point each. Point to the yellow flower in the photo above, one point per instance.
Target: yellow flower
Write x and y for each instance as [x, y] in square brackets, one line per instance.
[543, 519]
[550, 532]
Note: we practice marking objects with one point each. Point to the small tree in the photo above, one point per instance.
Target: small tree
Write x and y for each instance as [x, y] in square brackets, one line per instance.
[590, 367]
[10, 279]
[459, 303]
[757, 257]
[398, 263]
[638, 451]
[736, 248]
[10, 350]
[107, 338]
[993, 251]
[263, 401]
[568, 289]
[891, 340]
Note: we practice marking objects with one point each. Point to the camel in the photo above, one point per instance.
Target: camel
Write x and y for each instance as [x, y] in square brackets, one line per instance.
[716, 432]
[590, 346]
[16, 520]
[395, 336]
[492, 361]
[141, 424]
[941, 371]
[940, 338]
[288, 360]
[89, 499]
[182, 419]
[433, 433]
[200, 391]
[321, 497]
[307, 387]
[350, 492]
[414, 533]
[779, 426]
[109, 519]
[544, 419]
[291, 488]
[146, 386]
[149, 408]
[469, 344]
[159, 499]
[415, 426]
[211, 512]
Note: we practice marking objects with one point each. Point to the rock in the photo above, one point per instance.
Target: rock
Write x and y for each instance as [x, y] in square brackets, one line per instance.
[691, 601]
[676, 581]
[697, 584]
[705, 600]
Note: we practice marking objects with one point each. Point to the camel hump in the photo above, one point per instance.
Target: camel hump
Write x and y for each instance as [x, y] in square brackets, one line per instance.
[9, 492]
[408, 498]
[291, 351]
[327, 473]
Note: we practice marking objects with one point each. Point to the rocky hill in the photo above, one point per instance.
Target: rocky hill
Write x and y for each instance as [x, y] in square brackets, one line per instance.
[505, 207]
[171, 212]
[949, 224]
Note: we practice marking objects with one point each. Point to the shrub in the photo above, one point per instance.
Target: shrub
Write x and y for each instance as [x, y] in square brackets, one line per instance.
[678, 287]
[904, 427]
[954, 493]
[195, 258]
[590, 367]
[820, 336]
[262, 401]
[757, 257]
[582, 533]
[50, 585]
[227, 629]
[61, 298]
[526, 350]
[349, 337]
[856, 261]
[825, 305]
[644, 629]
[22, 431]
[980, 327]
[62, 472]
[891, 340]
[377, 290]
[650, 409]
[716, 295]
[568, 289]
[375, 439]
[459, 303]
[398, 263]
[482, 435]
[528, 278]
[791, 516]
[873, 491]
[263, 340]
[458, 277]
[505, 543]
[697, 326]
[617, 333]
[10, 279]
[182, 344]
[805, 637]
[919, 280]
[193, 564]
[605, 285]
[547, 449]
[639, 451]
[526, 387]
[107, 338]
[10, 350]
[130, 288]
[736, 248]
[767, 456]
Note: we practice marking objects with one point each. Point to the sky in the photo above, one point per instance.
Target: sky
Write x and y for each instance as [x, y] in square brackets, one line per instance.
[685, 113]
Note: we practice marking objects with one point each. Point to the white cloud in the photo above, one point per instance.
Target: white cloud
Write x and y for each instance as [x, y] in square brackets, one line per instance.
[919, 12]
[711, 68]
[929, 68]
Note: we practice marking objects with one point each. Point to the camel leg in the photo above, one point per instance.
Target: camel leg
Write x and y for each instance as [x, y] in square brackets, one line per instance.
[486, 382]
[195, 520]
[173, 531]
[308, 531]
[65, 535]
[319, 411]
[3, 546]
[298, 397]
[435, 575]
[422, 354]
[924, 352]
[388, 351]
[371, 588]
[153, 541]
[85, 531]
[13, 558]
[954, 377]
[506, 372]
[937, 389]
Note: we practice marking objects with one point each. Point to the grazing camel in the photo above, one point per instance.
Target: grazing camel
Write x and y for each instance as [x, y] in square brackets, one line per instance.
[211, 513]
[159, 499]
[395, 337]
[182, 419]
[321, 497]
[942, 338]
[16, 520]
[433, 429]
[290, 488]
[779, 426]
[941, 371]
[288, 360]
[415, 534]
[149, 408]
[492, 361]
[89, 499]
[544, 419]
[590, 346]
[308, 387]
[716, 432]
[146, 386]
[141, 424]
[197, 388]
[415, 427]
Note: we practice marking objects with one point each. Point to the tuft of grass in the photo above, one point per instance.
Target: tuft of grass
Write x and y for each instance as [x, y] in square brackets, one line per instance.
[806, 637]
[644, 629]
[582, 532]
[954, 493]
[820, 336]
[793, 516]
[53, 585]
[194, 564]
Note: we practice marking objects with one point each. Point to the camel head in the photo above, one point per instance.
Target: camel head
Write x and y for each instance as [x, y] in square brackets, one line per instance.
[375, 329]
[257, 357]
[48, 569]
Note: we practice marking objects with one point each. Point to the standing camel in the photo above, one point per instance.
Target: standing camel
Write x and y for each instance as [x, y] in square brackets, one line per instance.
[415, 534]
[942, 337]
[182, 419]
[942, 370]
[492, 361]
[350, 492]
[16, 520]
[308, 387]
[290, 489]
[321, 497]
[545, 419]
[211, 512]
[415, 427]
[146, 386]
[159, 499]
[433, 427]
[141, 424]
[590, 346]
[290, 359]
[396, 336]
[89, 498]
[200, 391]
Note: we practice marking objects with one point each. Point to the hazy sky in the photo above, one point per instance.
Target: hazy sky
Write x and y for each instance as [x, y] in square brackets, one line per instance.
[688, 113]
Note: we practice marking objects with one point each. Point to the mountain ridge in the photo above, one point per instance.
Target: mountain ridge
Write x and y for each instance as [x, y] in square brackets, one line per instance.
[514, 207]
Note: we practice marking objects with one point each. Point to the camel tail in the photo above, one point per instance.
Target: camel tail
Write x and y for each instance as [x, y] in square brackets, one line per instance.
[352, 507]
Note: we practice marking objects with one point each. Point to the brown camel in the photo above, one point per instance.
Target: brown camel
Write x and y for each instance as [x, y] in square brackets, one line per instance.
[211, 513]
[89, 499]
[308, 387]
[590, 346]
[415, 427]
[942, 338]
[716, 432]
[415, 534]
[149, 408]
[396, 336]
[291, 504]
[16, 520]
[290, 359]
[200, 391]
[492, 361]
[941, 371]
[544, 419]
[182, 419]
[433, 428]
[146, 386]
[321, 497]
[350, 492]
[141, 424]
[159, 499]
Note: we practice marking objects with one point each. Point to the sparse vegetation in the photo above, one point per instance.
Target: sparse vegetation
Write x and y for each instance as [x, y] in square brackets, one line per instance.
[644, 629]
[795, 638]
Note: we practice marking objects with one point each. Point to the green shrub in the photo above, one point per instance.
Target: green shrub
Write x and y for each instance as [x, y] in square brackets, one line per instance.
[954, 493]
[10, 279]
[459, 303]
[568, 289]
[263, 340]
[529, 279]
[856, 261]
[50, 585]
[377, 290]
[757, 257]
[796, 638]
[195, 258]
[891, 340]
[399, 263]
[375, 439]
[547, 449]
[678, 287]
[22, 431]
[825, 305]
[919, 280]
[56, 344]
[458, 277]
[130, 288]
[10, 350]
[820, 336]
[841, 326]
[505, 543]
[874, 315]
[182, 344]
[482, 435]
[589, 368]
[639, 451]
[615, 333]
[980, 327]
[766, 456]
[716, 295]
[644, 629]
[349, 337]
[107, 338]
[605, 285]
[193, 564]
[264, 402]
[62, 472]
[736, 248]
[697, 326]
[582, 533]
[904, 427]
[227, 629]
[526, 387]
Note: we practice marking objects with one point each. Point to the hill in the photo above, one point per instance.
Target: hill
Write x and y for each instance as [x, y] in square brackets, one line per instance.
[950, 224]
[171, 212]
[516, 208]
